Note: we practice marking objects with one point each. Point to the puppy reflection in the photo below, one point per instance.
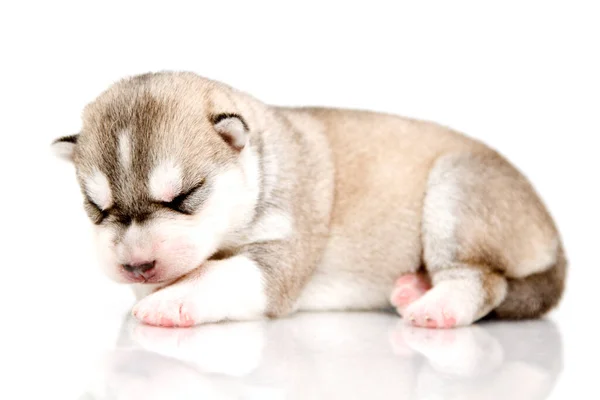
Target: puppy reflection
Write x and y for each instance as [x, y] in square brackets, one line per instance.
[158, 363]
[332, 355]
[491, 361]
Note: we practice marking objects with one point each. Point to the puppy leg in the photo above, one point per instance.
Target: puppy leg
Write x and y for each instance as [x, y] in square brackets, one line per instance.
[262, 280]
[233, 289]
[482, 224]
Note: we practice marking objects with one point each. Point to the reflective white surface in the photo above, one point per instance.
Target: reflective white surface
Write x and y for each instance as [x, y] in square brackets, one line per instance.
[330, 356]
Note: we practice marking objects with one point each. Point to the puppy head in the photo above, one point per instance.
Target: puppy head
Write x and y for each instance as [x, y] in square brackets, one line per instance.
[167, 170]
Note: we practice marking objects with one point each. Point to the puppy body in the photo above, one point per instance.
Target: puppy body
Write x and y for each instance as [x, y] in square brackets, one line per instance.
[237, 210]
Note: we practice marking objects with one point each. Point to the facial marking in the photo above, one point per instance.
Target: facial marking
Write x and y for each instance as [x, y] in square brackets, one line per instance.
[125, 148]
[98, 190]
[165, 181]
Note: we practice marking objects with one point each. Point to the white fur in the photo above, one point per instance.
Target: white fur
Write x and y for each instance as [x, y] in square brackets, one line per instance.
[251, 185]
[125, 149]
[136, 246]
[439, 214]
[247, 195]
[64, 150]
[98, 189]
[233, 288]
[165, 181]
[341, 290]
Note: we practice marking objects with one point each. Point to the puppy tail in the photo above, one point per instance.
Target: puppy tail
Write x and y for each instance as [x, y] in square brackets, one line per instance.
[534, 295]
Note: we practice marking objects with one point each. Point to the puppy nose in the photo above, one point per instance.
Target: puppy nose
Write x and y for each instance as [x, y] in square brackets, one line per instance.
[140, 269]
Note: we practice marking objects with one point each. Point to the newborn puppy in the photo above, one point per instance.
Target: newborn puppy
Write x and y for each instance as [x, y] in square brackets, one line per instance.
[215, 206]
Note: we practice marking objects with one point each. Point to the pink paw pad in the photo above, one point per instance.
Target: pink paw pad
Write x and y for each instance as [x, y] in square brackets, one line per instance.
[155, 318]
[447, 305]
[409, 288]
[443, 321]
[166, 322]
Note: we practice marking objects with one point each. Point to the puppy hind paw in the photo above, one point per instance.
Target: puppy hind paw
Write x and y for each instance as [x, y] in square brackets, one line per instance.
[408, 289]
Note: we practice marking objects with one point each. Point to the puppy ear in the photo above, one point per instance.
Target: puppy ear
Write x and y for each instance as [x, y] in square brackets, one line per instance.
[64, 147]
[233, 129]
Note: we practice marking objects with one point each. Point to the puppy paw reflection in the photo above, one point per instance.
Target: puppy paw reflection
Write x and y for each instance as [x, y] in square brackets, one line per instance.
[490, 360]
[138, 374]
[233, 349]
[467, 351]
[200, 362]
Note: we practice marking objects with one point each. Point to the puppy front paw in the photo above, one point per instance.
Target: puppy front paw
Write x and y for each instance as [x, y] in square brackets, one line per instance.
[169, 307]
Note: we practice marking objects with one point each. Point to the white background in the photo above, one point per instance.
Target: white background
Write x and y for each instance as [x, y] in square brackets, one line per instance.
[522, 76]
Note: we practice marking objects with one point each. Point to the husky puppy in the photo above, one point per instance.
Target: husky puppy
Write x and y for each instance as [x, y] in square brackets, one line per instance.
[215, 206]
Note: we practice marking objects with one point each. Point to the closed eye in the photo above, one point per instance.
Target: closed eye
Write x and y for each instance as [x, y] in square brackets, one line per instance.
[99, 214]
[179, 203]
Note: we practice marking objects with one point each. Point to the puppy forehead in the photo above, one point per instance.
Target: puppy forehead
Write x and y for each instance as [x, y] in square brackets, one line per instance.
[150, 135]
[141, 131]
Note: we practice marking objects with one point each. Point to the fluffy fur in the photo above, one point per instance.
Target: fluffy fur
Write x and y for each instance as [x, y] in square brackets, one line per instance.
[249, 210]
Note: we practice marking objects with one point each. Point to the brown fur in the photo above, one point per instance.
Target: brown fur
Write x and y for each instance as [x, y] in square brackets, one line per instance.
[534, 295]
